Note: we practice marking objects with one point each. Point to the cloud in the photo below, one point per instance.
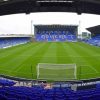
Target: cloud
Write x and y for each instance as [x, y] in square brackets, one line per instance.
[21, 23]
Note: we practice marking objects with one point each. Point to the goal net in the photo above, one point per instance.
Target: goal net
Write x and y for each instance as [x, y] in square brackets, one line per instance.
[56, 71]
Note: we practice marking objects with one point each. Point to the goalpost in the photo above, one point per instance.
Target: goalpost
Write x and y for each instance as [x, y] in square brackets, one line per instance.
[56, 71]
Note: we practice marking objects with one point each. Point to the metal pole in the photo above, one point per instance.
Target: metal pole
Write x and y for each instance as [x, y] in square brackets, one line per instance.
[80, 73]
[31, 27]
[32, 71]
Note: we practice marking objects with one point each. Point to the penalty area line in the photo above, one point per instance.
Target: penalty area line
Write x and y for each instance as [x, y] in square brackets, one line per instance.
[94, 69]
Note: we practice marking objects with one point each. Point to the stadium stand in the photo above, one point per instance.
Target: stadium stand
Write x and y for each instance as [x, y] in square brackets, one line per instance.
[53, 36]
[9, 42]
[60, 33]
[6, 82]
[95, 34]
[41, 90]
[95, 40]
[56, 93]
[38, 92]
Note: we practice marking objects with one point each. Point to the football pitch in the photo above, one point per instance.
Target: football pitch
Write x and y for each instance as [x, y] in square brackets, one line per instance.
[21, 61]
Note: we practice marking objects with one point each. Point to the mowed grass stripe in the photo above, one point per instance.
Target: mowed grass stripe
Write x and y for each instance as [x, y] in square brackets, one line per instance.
[50, 55]
[63, 54]
[17, 61]
[15, 51]
[78, 52]
[94, 48]
[33, 60]
[84, 51]
[14, 55]
[89, 50]
[33, 50]
[12, 61]
[91, 53]
[85, 63]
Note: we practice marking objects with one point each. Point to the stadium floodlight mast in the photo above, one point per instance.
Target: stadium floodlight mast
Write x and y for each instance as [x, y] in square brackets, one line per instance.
[56, 72]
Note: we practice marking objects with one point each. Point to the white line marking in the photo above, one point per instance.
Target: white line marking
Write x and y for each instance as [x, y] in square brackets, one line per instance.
[94, 69]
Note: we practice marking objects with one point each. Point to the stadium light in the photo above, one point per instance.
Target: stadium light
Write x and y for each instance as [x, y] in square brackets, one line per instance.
[5, 0]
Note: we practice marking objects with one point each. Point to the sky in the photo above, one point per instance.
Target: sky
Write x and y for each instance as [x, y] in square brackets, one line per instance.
[21, 23]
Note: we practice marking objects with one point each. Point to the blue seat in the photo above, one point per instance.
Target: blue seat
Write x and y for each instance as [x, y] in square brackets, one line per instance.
[12, 99]
[3, 97]
[38, 93]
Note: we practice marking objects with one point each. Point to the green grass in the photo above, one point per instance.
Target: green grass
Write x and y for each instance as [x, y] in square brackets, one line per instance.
[17, 61]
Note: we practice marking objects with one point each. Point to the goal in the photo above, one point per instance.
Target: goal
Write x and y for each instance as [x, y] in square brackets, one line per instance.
[56, 71]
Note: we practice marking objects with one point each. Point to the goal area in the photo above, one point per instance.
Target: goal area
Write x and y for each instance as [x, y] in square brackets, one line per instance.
[61, 72]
